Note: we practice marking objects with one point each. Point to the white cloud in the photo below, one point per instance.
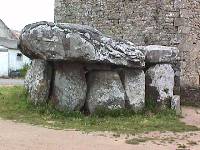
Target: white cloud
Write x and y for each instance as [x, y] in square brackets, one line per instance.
[18, 13]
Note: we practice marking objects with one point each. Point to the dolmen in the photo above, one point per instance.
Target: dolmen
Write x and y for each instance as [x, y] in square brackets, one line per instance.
[76, 68]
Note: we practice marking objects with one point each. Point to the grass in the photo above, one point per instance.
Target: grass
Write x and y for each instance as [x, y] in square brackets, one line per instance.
[136, 141]
[14, 106]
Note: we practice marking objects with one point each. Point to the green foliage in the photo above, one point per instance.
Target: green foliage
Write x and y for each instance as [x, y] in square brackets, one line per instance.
[14, 105]
[24, 70]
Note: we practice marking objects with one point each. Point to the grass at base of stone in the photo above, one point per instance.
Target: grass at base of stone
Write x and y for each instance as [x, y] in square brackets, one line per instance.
[14, 106]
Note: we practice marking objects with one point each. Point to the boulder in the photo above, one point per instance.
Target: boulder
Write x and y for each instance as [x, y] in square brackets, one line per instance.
[37, 81]
[134, 84]
[69, 91]
[159, 54]
[105, 90]
[71, 42]
[160, 85]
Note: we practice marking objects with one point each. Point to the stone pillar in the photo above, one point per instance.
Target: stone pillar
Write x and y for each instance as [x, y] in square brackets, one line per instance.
[69, 91]
[134, 84]
[105, 90]
[176, 104]
[37, 81]
[160, 85]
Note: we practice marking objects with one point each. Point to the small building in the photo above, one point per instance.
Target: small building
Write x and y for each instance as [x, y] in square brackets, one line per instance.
[11, 58]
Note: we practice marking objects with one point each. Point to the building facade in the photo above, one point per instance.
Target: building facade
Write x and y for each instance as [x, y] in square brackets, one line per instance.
[11, 59]
[146, 22]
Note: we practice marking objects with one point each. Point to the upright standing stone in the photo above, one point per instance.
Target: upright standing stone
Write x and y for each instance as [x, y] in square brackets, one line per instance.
[105, 91]
[37, 81]
[176, 104]
[134, 83]
[69, 91]
[160, 85]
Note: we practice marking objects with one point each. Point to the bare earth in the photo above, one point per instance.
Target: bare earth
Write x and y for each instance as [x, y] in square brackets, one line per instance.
[19, 136]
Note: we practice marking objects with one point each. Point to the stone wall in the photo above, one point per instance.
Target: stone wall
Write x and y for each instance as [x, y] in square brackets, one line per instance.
[145, 22]
[189, 31]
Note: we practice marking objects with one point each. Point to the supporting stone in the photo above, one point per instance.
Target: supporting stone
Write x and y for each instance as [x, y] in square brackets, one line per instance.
[134, 83]
[175, 104]
[37, 81]
[105, 91]
[69, 91]
[160, 85]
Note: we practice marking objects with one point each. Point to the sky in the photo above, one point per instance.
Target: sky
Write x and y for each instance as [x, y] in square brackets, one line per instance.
[18, 13]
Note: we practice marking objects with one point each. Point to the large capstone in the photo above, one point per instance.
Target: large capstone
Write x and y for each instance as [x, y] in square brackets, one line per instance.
[70, 42]
[160, 54]
[134, 83]
[69, 91]
[105, 91]
[160, 85]
[37, 81]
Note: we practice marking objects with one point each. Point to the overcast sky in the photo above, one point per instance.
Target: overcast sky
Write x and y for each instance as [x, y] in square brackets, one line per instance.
[18, 13]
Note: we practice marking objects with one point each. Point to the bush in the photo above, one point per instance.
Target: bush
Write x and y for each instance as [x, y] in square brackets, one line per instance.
[24, 70]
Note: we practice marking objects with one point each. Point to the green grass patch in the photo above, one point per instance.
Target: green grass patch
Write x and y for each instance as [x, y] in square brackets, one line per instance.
[136, 141]
[14, 106]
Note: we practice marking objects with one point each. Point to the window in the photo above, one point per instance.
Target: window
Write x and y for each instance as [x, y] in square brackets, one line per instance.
[19, 57]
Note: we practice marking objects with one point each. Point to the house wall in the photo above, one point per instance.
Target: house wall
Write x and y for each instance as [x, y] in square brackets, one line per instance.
[16, 62]
[3, 63]
[9, 61]
[145, 22]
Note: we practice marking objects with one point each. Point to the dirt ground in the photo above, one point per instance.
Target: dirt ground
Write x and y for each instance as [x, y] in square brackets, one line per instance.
[19, 136]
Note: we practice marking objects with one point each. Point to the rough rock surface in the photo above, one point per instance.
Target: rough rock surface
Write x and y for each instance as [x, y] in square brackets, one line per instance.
[176, 104]
[49, 41]
[69, 91]
[134, 83]
[160, 84]
[105, 91]
[37, 81]
[160, 54]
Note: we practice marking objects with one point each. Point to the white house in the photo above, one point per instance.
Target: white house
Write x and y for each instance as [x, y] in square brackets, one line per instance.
[11, 59]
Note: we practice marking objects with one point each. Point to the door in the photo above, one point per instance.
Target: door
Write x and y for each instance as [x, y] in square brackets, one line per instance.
[3, 64]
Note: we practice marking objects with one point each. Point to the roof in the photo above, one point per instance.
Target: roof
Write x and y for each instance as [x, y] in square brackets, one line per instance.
[9, 43]
[3, 49]
[6, 32]
[8, 38]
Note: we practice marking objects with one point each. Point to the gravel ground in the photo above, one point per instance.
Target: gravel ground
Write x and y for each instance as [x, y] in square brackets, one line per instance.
[11, 82]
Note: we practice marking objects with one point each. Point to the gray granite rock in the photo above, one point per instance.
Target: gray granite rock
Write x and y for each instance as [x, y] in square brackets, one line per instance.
[69, 91]
[37, 81]
[176, 104]
[71, 42]
[134, 83]
[160, 84]
[105, 91]
[159, 54]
